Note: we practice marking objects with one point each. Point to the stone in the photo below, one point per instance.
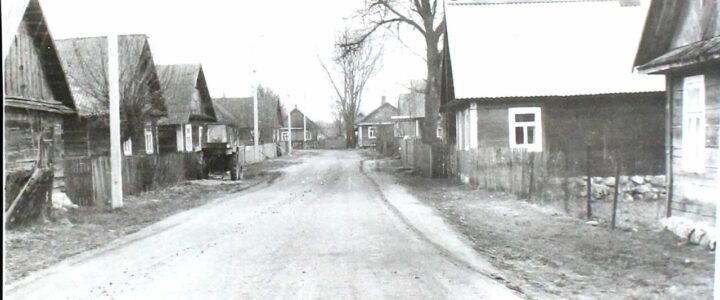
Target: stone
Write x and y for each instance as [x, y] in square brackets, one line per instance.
[624, 179]
[639, 197]
[643, 189]
[592, 223]
[651, 196]
[637, 179]
[658, 181]
[556, 181]
[610, 181]
[597, 180]
[648, 178]
[627, 197]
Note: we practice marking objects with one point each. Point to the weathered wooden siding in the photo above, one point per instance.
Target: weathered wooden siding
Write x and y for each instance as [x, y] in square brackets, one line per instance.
[624, 125]
[694, 195]
[30, 138]
[167, 138]
[24, 75]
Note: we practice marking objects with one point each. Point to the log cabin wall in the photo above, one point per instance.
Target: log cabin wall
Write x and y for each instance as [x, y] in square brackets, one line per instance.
[694, 193]
[30, 135]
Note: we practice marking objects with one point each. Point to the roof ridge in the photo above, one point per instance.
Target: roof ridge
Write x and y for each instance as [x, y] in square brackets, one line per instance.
[101, 37]
[518, 2]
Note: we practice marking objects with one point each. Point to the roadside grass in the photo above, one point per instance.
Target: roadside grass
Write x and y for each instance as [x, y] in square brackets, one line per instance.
[546, 251]
[38, 246]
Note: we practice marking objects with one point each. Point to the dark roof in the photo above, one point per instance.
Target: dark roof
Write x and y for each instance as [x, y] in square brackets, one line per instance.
[379, 115]
[84, 62]
[663, 22]
[297, 120]
[34, 19]
[186, 93]
[234, 111]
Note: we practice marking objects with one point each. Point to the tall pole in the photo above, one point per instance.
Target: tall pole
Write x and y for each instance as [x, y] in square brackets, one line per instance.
[289, 131]
[256, 135]
[304, 132]
[115, 142]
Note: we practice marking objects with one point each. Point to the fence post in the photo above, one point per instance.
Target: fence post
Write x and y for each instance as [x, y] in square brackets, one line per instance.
[566, 184]
[532, 175]
[589, 183]
[615, 197]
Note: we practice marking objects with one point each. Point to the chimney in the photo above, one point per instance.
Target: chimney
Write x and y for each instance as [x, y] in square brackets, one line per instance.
[382, 100]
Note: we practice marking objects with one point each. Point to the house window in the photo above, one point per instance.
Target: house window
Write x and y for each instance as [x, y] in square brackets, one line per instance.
[371, 133]
[200, 137]
[188, 138]
[127, 147]
[284, 136]
[148, 140]
[308, 136]
[439, 133]
[693, 127]
[398, 132]
[525, 128]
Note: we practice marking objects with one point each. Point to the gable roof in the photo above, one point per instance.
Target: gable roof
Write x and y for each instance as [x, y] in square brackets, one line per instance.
[234, 111]
[533, 48]
[380, 115]
[664, 21]
[297, 120]
[29, 14]
[186, 93]
[411, 105]
[84, 61]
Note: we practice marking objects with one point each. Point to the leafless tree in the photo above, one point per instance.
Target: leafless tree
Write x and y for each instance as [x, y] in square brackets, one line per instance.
[425, 17]
[141, 92]
[353, 68]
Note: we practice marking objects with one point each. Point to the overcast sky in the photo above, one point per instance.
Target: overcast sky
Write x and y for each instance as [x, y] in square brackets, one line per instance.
[281, 39]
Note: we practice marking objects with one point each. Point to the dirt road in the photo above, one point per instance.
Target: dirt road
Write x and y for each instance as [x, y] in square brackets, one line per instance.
[320, 231]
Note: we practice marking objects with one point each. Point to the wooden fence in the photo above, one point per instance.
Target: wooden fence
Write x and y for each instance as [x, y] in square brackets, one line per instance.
[88, 179]
[417, 155]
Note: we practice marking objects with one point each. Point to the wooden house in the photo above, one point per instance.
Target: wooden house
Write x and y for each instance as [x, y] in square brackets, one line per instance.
[36, 96]
[555, 77]
[411, 112]
[238, 112]
[141, 104]
[681, 40]
[189, 108]
[304, 132]
[376, 126]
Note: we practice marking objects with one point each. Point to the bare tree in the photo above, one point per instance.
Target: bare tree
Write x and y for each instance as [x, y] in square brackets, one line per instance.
[425, 17]
[354, 68]
[141, 92]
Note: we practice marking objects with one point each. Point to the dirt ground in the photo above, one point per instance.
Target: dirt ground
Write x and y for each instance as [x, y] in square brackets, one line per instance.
[545, 251]
[38, 246]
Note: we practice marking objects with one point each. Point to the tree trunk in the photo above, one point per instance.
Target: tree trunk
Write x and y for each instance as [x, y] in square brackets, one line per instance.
[432, 94]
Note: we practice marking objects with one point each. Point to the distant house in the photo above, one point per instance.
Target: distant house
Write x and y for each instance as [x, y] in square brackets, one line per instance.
[238, 112]
[36, 96]
[304, 132]
[189, 107]
[552, 76]
[682, 41]
[376, 125]
[141, 103]
[411, 112]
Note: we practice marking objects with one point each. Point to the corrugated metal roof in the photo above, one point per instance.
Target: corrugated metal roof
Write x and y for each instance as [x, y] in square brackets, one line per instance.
[544, 49]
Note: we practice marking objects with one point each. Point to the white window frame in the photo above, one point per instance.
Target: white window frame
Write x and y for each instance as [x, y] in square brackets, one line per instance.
[439, 133]
[397, 132]
[459, 123]
[693, 125]
[127, 147]
[149, 140]
[200, 137]
[308, 135]
[284, 136]
[537, 123]
[188, 138]
[371, 133]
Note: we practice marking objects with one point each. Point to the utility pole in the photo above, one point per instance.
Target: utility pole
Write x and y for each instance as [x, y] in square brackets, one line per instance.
[115, 142]
[304, 132]
[256, 135]
[289, 131]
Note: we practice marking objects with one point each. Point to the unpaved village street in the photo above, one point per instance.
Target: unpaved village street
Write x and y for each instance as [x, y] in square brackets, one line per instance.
[322, 230]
